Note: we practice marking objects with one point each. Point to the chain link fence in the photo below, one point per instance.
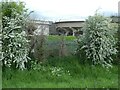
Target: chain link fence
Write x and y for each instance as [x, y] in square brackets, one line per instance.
[43, 47]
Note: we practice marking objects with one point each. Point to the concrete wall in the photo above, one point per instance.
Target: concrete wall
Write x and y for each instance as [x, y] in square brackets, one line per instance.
[70, 24]
[69, 27]
[42, 27]
[50, 28]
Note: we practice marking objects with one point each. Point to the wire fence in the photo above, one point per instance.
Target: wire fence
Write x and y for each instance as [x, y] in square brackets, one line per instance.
[52, 46]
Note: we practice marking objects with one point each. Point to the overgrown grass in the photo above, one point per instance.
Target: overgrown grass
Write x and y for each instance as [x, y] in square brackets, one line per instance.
[56, 37]
[64, 72]
[81, 76]
[0, 76]
[53, 43]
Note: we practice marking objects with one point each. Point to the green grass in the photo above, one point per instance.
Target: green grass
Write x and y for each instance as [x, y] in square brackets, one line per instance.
[56, 37]
[53, 43]
[81, 76]
[0, 76]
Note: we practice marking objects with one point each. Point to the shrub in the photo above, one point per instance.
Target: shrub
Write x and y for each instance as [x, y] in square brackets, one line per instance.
[98, 41]
[14, 42]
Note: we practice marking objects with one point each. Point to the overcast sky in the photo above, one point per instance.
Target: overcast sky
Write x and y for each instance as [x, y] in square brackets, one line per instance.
[58, 10]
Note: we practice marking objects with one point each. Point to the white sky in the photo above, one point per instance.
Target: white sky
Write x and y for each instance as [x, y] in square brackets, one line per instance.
[70, 9]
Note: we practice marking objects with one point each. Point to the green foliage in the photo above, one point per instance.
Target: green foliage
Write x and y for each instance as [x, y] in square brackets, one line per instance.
[14, 42]
[54, 42]
[81, 76]
[8, 8]
[98, 41]
[51, 70]
[56, 37]
[40, 48]
[118, 43]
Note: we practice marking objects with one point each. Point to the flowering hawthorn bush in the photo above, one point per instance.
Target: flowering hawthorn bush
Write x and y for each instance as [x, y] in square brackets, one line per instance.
[98, 41]
[14, 43]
